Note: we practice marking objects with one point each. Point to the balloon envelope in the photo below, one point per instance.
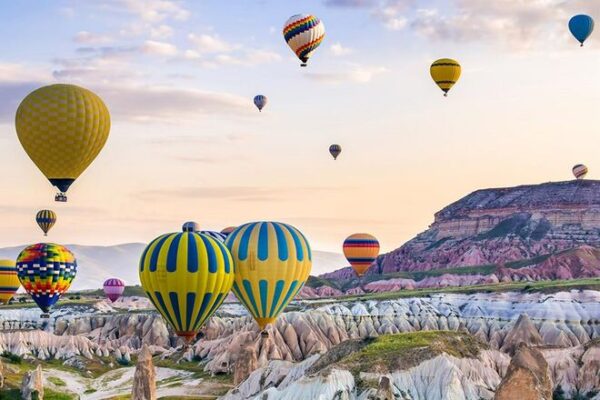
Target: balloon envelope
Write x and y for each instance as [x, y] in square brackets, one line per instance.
[361, 249]
[272, 262]
[260, 101]
[580, 171]
[445, 72]
[228, 230]
[113, 288]
[187, 276]
[581, 27]
[46, 271]
[335, 150]
[45, 220]
[62, 128]
[215, 235]
[190, 226]
[304, 33]
[9, 281]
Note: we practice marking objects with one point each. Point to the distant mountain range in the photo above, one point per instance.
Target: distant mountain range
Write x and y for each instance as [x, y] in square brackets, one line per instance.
[98, 263]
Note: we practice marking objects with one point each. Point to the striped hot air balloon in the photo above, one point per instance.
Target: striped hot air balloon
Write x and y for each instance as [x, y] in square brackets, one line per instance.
[215, 235]
[272, 262]
[187, 276]
[9, 281]
[113, 288]
[46, 271]
[303, 33]
[580, 171]
[260, 101]
[361, 249]
[46, 220]
[445, 72]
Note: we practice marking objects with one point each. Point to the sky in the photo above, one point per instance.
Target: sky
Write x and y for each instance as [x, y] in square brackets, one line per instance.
[186, 142]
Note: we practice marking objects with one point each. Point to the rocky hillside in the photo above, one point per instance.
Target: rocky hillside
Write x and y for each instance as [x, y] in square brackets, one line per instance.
[506, 228]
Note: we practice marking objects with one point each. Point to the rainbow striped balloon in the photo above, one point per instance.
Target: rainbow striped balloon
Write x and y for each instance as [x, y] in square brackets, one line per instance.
[9, 281]
[113, 288]
[272, 263]
[303, 33]
[46, 271]
[580, 171]
[46, 220]
[361, 249]
[187, 276]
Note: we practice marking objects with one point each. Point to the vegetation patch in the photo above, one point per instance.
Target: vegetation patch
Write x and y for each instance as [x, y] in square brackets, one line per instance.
[56, 381]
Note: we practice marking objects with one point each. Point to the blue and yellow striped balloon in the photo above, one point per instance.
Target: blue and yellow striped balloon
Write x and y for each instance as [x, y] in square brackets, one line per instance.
[187, 276]
[9, 281]
[45, 220]
[272, 263]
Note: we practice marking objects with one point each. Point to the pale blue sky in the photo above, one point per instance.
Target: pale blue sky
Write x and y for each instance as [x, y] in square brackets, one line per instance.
[187, 143]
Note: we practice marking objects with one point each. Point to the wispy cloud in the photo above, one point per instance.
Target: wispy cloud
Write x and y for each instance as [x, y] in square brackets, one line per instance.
[338, 50]
[206, 44]
[85, 37]
[231, 193]
[154, 47]
[352, 74]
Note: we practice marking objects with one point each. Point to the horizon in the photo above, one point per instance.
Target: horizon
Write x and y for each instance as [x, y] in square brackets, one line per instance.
[180, 75]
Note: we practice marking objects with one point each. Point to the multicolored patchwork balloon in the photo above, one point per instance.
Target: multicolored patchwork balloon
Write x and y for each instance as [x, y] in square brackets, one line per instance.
[187, 276]
[9, 281]
[46, 271]
[361, 249]
[303, 33]
[272, 263]
[113, 288]
[46, 220]
[580, 171]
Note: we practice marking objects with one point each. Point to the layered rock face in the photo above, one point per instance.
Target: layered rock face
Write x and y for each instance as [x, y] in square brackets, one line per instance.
[494, 226]
[527, 377]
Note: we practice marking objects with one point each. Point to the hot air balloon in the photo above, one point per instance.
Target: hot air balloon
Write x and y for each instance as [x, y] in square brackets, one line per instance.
[272, 262]
[335, 150]
[227, 231]
[580, 171]
[46, 271]
[9, 281]
[581, 27]
[303, 33]
[445, 72]
[215, 235]
[187, 276]
[361, 249]
[46, 220]
[260, 101]
[62, 128]
[190, 226]
[113, 288]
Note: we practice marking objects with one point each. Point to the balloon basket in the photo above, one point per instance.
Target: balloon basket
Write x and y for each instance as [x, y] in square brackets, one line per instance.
[45, 316]
[264, 334]
[60, 197]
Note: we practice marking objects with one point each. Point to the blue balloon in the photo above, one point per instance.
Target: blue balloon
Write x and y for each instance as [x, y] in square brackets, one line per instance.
[581, 26]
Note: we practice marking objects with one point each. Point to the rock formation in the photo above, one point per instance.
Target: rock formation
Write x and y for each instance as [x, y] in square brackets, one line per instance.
[32, 385]
[523, 332]
[527, 377]
[144, 379]
[244, 365]
[1, 375]
[498, 226]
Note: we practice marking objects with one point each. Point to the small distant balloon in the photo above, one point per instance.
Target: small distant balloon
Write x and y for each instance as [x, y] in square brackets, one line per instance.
[361, 249]
[303, 33]
[581, 27]
[9, 280]
[215, 235]
[190, 226]
[227, 231]
[580, 171]
[335, 150]
[46, 220]
[113, 288]
[445, 72]
[260, 101]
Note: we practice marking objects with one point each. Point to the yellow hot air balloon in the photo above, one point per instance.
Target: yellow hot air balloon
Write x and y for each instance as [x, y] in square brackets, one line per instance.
[445, 73]
[272, 263]
[186, 275]
[9, 280]
[361, 249]
[62, 128]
